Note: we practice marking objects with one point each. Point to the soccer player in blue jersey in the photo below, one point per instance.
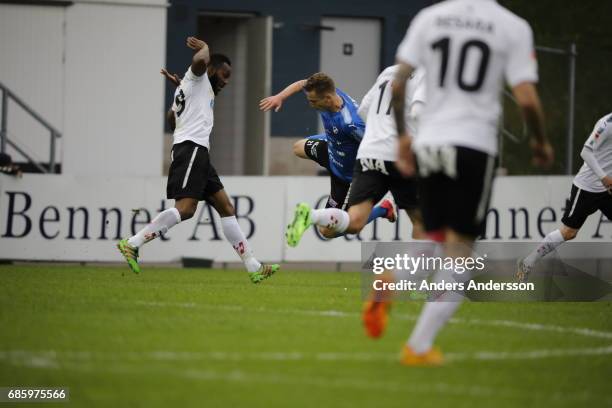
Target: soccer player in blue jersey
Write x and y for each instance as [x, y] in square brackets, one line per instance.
[335, 149]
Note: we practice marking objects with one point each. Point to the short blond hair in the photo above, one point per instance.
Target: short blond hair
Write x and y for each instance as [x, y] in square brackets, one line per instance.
[320, 83]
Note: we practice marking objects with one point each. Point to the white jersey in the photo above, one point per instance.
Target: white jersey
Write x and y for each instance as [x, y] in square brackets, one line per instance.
[467, 47]
[600, 143]
[193, 106]
[380, 138]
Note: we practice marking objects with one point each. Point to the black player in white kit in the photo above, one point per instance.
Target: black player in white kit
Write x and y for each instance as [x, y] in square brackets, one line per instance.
[591, 191]
[467, 48]
[192, 177]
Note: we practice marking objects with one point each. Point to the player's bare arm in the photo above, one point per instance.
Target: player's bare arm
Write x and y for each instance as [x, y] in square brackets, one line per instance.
[195, 43]
[201, 58]
[406, 159]
[176, 81]
[527, 98]
[172, 78]
[276, 101]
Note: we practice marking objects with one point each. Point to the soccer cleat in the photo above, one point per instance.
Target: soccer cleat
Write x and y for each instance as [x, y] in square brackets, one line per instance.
[375, 312]
[432, 357]
[130, 254]
[264, 272]
[522, 270]
[301, 222]
[388, 205]
[375, 316]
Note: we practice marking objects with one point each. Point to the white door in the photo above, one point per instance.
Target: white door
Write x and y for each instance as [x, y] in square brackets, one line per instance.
[350, 53]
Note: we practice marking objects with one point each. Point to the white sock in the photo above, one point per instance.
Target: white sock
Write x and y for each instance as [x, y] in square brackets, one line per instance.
[236, 237]
[550, 242]
[332, 218]
[160, 225]
[433, 317]
[435, 314]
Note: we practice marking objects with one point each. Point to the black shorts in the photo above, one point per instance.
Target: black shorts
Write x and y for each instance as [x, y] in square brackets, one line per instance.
[373, 178]
[316, 150]
[454, 188]
[191, 173]
[583, 203]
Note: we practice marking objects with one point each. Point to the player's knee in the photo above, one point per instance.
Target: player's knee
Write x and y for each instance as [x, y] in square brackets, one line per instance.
[568, 233]
[298, 149]
[186, 211]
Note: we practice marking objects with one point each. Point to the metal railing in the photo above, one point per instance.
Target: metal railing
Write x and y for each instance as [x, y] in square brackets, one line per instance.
[7, 95]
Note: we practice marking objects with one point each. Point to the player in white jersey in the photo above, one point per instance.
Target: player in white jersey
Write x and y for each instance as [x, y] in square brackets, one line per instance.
[467, 48]
[192, 177]
[591, 191]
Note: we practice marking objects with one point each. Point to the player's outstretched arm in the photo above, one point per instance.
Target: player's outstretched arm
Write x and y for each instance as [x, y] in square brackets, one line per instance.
[406, 158]
[276, 101]
[201, 58]
[528, 100]
[172, 78]
[195, 43]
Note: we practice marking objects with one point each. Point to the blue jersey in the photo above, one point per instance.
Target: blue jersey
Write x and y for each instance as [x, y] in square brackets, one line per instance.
[343, 132]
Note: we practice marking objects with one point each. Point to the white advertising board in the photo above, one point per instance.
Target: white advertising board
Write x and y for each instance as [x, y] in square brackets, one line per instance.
[69, 218]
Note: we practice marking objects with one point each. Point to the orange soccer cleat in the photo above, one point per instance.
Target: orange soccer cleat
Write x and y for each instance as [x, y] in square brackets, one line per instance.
[432, 357]
[375, 316]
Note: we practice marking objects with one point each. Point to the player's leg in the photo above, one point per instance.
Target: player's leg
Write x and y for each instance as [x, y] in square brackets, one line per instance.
[313, 148]
[360, 215]
[299, 149]
[332, 221]
[577, 209]
[218, 198]
[458, 225]
[183, 209]
[185, 185]
[375, 311]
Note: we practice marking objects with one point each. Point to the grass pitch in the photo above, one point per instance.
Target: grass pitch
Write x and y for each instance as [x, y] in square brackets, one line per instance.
[210, 338]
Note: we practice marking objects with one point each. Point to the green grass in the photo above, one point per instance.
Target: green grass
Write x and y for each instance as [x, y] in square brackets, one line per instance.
[210, 338]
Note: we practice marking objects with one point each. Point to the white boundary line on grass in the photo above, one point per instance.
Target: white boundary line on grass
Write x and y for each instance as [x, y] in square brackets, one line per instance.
[337, 313]
[55, 359]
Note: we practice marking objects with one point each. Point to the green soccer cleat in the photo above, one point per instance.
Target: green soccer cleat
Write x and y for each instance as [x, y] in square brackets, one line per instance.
[130, 254]
[301, 222]
[264, 272]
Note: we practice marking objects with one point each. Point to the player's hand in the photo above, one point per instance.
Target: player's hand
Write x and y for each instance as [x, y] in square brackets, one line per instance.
[271, 102]
[174, 78]
[195, 43]
[406, 163]
[607, 182]
[543, 154]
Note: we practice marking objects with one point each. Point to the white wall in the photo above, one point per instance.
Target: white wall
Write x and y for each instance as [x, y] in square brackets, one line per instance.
[114, 92]
[31, 65]
[91, 70]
